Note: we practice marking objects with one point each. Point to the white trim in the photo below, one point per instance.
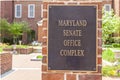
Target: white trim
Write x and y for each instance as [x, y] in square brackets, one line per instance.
[33, 12]
[107, 5]
[20, 12]
[65, 76]
[41, 10]
[77, 77]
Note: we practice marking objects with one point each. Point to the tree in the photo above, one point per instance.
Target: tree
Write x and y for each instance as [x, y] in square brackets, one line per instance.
[110, 24]
[4, 25]
[17, 29]
[117, 28]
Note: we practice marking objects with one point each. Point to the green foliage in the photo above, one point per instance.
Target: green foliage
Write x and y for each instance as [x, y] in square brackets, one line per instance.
[116, 39]
[116, 45]
[22, 46]
[39, 57]
[1, 49]
[108, 55]
[17, 29]
[116, 20]
[4, 26]
[111, 71]
[110, 24]
[107, 46]
[11, 46]
[109, 40]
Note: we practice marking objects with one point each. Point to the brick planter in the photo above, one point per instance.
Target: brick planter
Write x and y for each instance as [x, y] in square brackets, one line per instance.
[5, 62]
[7, 49]
[24, 50]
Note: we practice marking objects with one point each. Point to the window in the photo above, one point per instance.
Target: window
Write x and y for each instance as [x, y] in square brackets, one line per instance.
[107, 7]
[31, 11]
[18, 11]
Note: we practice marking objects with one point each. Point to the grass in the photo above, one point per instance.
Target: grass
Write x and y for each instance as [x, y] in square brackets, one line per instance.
[115, 48]
[107, 46]
[39, 57]
[108, 55]
[22, 46]
[17, 46]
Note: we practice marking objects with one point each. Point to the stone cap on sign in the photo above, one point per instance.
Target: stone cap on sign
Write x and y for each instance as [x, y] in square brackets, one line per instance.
[21, 0]
[73, 0]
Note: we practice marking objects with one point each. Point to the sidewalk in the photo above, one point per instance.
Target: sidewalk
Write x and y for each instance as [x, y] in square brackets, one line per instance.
[110, 78]
[24, 68]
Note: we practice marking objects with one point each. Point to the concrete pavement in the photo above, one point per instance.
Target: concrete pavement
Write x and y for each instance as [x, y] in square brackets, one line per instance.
[110, 78]
[24, 68]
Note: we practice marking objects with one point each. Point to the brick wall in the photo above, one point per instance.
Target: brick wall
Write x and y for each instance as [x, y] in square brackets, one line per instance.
[6, 10]
[48, 75]
[31, 21]
[5, 62]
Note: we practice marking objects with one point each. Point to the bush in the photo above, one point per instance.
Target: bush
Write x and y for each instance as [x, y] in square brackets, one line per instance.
[1, 49]
[116, 39]
[111, 71]
[116, 45]
[108, 55]
[107, 46]
[110, 40]
[22, 46]
[39, 57]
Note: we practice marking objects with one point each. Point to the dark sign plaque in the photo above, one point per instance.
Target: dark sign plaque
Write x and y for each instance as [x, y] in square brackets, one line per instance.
[72, 38]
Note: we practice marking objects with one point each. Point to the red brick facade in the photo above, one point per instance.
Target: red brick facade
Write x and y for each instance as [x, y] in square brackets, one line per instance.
[8, 12]
[115, 5]
[5, 62]
[32, 21]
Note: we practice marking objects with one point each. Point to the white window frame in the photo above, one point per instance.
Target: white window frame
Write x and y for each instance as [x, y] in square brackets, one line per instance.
[109, 5]
[16, 15]
[33, 16]
[41, 10]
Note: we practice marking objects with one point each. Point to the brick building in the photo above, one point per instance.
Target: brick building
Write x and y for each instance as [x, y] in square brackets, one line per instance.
[31, 11]
[23, 10]
[112, 4]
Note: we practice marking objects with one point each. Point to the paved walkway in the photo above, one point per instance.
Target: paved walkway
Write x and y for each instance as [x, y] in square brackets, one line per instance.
[110, 78]
[24, 68]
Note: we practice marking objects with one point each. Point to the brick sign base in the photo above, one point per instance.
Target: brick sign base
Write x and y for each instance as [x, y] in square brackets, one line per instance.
[70, 75]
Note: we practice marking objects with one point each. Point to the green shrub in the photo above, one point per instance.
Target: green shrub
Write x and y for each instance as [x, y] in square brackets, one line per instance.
[116, 45]
[108, 55]
[39, 57]
[22, 46]
[116, 39]
[5, 46]
[107, 46]
[1, 49]
[110, 40]
[108, 71]
[111, 71]
[9, 46]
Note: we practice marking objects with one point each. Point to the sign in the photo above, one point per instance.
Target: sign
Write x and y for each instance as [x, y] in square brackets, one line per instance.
[72, 38]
